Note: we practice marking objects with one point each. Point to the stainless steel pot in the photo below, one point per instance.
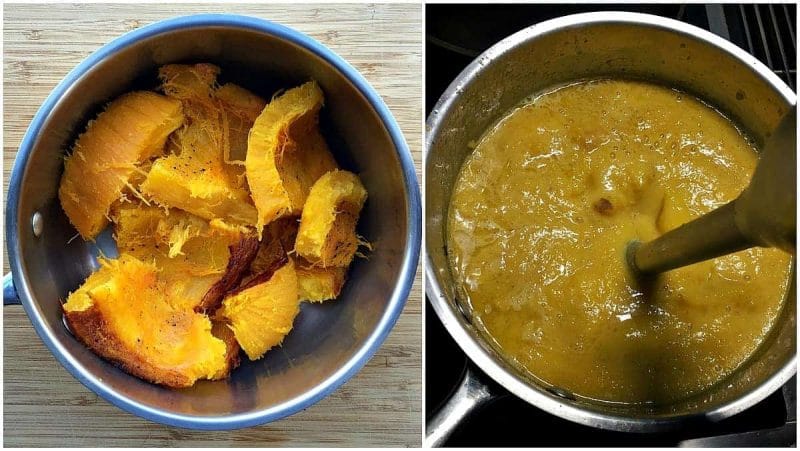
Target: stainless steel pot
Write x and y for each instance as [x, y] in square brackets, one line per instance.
[607, 44]
[331, 341]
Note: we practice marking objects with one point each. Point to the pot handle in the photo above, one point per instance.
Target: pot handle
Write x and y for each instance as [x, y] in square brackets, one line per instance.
[471, 394]
[10, 296]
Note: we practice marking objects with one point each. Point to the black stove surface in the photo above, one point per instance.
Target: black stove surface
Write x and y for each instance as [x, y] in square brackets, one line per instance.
[455, 35]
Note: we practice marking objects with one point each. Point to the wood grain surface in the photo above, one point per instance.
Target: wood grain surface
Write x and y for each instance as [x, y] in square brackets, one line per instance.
[43, 404]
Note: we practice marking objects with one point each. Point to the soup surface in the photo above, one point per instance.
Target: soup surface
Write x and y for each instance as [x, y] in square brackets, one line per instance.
[540, 218]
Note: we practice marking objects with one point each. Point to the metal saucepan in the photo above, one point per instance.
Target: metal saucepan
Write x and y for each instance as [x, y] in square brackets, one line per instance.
[331, 341]
[549, 54]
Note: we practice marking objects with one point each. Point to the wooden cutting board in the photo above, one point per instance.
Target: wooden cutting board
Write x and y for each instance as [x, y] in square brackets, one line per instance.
[43, 404]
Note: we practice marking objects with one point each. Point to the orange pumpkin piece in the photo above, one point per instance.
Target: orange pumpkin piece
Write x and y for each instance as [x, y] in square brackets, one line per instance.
[262, 313]
[195, 181]
[240, 101]
[132, 129]
[319, 284]
[195, 176]
[327, 234]
[286, 153]
[199, 261]
[241, 107]
[124, 313]
[191, 84]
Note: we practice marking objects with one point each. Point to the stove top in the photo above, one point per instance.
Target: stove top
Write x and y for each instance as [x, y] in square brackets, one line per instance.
[767, 32]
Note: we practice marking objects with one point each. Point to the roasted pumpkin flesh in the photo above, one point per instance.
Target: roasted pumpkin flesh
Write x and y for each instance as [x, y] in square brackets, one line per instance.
[228, 212]
[242, 107]
[319, 284]
[125, 313]
[286, 153]
[327, 234]
[262, 315]
[132, 129]
[190, 253]
[196, 177]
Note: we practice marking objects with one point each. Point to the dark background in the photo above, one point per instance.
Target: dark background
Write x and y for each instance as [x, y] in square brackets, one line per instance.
[457, 34]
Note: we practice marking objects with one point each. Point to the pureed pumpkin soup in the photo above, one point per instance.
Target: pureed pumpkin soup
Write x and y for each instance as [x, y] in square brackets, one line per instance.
[539, 220]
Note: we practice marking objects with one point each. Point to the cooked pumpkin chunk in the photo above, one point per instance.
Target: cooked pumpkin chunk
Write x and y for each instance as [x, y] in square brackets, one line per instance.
[319, 284]
[140, 229]
[327, 233]
[132, 129]
[200, 186]
[226, 113]
[193, 84]
[241, 101]
[199, 261]
[124, 313]
[133, 190]
[286, 153]
[261, 314]
[242, 107]
[195, 176]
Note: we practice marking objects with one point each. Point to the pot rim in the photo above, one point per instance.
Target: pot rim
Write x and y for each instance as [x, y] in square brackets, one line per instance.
[407, 271]
[454, 323]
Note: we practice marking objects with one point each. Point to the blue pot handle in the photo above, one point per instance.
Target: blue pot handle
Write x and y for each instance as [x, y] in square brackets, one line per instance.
[10, 296]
